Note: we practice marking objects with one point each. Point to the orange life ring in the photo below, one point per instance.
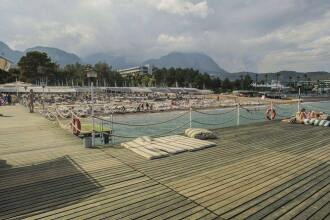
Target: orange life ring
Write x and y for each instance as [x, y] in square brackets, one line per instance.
[76, 126]
[270, 113]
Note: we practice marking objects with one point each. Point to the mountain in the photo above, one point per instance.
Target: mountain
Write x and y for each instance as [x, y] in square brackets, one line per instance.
[197, 61]
[7, 52]
[117, 62]
[61, 57]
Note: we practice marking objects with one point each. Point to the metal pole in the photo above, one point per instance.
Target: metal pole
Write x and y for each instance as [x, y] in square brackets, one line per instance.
[238, 114]
[93, 125]
[299, 99]
[16, 88]
[43, 98]
[190, 116]
[271, 105]
[113, 137]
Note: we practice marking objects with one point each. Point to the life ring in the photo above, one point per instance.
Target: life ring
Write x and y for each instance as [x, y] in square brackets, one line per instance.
[76, 126]
[270, 113]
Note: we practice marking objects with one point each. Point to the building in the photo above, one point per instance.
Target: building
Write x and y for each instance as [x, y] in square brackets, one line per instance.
[5, 64]
[138, 70]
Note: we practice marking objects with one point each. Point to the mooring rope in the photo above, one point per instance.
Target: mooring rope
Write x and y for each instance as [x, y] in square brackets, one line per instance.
[220, 113]
[222, 123]
[143, 125]
[155, 135]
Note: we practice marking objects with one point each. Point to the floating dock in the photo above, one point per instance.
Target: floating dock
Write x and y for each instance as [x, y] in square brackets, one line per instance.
[265, 170]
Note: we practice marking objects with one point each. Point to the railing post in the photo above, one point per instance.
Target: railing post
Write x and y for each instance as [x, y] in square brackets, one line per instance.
[112, 131]
[93, 125]
[190, 117]
[299, 100]
[271, 105]
[238, 114]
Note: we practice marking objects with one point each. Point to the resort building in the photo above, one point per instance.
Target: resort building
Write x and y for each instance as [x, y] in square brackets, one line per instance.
[138, 70]
[5, 64]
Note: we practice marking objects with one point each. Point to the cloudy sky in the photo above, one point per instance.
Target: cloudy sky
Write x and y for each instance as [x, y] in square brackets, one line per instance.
[240, 35]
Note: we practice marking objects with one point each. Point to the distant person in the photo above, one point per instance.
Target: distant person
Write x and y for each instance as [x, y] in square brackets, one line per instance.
[9, 99]
[301, 116]
[31, 101]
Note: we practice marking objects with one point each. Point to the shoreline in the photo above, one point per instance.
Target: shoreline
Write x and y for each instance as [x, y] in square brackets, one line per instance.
[245, 102]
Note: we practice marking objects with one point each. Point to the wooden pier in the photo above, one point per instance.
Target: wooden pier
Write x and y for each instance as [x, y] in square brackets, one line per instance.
[261, 171]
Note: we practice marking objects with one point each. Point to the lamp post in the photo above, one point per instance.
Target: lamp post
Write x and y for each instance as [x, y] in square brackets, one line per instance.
[299, 96]
[90, 73]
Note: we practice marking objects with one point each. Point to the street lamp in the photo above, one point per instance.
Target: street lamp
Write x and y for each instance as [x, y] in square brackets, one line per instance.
[299, 95]
[91, 74]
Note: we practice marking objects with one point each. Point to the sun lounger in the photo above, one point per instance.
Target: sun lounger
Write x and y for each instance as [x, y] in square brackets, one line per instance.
[311, 122]
[322, 122]
[163, 146]
[144, 151]
[316, 122]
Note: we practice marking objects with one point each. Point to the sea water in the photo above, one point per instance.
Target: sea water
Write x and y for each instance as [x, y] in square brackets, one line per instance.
[128, 126]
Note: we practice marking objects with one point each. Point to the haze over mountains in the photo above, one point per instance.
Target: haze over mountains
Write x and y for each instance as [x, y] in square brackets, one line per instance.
[197, 61]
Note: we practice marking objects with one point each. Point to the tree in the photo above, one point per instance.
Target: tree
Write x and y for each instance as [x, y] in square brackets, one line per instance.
[9, 76]
[30, 63]
[227, 85]
[247, 82]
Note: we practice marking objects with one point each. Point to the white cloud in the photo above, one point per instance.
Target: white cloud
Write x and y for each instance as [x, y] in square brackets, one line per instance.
[182, 7]
[241, 35]
[174, 41]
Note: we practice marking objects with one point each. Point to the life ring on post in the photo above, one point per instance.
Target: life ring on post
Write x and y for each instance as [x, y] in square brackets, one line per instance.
[76, 126]
[270, 113]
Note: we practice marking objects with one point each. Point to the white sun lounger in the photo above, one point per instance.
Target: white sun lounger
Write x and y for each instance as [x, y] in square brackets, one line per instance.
[162, 147]
[143, 151]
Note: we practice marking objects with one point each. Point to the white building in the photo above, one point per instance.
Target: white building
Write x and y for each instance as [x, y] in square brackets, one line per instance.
[274, 85]
[138, 70]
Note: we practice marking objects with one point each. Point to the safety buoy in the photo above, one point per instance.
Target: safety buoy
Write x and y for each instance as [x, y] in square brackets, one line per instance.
[76, 126]
[270, 113]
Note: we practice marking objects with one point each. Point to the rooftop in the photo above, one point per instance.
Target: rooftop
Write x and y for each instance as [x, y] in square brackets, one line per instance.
[264, 170]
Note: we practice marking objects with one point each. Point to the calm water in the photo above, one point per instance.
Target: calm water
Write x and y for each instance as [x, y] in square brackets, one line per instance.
[214, 118]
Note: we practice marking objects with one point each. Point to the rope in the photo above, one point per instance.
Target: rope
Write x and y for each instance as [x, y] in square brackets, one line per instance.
[221, 113]
[143, 125]
[74, 114]
[252, 110]
[156, 135]
[60, 114]
[202, 123]
[253, 119]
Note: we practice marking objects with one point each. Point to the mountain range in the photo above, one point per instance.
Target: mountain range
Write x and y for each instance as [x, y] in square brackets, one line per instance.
[197, 61]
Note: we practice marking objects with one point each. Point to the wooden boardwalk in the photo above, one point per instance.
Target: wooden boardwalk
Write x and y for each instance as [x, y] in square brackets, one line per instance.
[260, 171]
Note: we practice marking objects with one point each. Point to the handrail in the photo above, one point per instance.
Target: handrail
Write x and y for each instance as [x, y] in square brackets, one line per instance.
[221, 113]
[142, 125]
[222, 123]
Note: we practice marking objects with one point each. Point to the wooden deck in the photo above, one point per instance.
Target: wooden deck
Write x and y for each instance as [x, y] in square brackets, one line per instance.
[260, 171]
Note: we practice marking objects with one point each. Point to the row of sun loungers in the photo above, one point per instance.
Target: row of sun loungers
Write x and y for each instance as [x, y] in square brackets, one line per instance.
[165, 146]
[317, 122]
